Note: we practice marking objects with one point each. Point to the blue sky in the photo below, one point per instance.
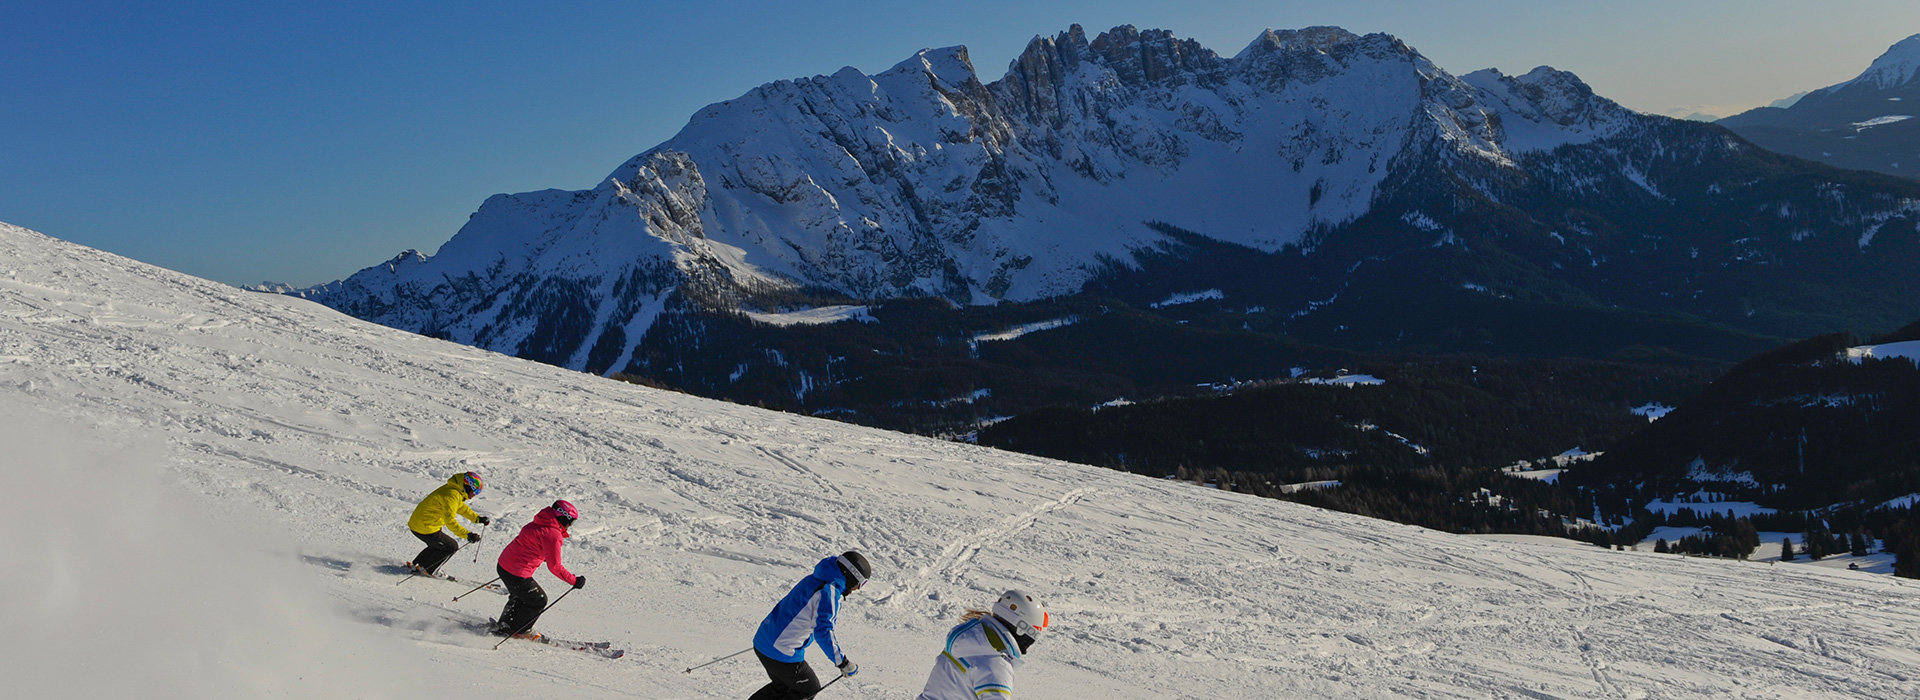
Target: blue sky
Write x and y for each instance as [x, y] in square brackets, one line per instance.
[299, 142]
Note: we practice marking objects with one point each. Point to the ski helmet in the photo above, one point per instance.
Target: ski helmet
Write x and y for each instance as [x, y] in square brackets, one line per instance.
[565, 512]
[471, 482]
[856, 568]
[1023, 612]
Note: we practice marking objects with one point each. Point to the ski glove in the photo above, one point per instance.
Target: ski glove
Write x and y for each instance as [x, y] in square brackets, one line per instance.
[473, 537]
[485, 521]
[579, 582]
[848, 667]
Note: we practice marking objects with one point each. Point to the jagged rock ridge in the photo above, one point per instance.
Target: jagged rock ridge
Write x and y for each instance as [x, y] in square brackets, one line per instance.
[923, 181]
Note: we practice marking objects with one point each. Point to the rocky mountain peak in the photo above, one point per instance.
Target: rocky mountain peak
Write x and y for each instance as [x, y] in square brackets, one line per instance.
[1153, 56]
[1036, 80]
[950, 65]
[1320, 39]
[1898, 66]
[1560, 96]
[1279, 57]
[1067, 47]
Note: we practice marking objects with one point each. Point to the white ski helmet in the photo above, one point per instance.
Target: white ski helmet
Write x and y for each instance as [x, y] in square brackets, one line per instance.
[1025, 613]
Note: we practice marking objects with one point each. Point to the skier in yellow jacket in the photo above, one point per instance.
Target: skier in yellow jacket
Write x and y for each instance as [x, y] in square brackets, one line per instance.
[436, 512]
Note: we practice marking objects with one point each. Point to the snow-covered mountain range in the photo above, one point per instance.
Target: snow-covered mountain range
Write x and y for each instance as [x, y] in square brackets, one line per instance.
[923, 180]
[207, 490]
[1866, 123]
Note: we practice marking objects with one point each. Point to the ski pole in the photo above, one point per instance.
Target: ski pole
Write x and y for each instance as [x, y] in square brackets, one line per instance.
[543, 611]
[476, 548]
[830, 684]
[715, 661]
[475, 588]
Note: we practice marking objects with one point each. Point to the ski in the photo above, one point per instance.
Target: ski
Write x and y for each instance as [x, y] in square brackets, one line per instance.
[407, 569]
[602, 649]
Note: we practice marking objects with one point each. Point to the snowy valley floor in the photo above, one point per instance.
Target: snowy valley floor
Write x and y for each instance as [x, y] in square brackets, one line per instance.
[206, 489]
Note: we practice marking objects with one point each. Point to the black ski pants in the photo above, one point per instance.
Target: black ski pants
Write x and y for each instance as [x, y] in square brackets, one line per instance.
[440, 547]
[525, 601]
[791, 681]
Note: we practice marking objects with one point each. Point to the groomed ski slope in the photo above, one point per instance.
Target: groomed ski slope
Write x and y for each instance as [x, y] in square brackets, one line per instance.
[202, 486]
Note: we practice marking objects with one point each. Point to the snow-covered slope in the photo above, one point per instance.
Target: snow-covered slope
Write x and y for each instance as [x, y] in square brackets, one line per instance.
[309, 435]
[923, 180]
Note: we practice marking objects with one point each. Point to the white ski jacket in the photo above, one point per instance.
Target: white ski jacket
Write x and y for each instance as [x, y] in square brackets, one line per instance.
[978, 663]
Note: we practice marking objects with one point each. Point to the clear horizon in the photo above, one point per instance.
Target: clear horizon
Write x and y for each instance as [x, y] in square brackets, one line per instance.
[245, 143]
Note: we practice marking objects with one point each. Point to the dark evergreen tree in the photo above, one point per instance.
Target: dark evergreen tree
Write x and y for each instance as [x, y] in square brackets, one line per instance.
[1786, 549]
[1743, 538]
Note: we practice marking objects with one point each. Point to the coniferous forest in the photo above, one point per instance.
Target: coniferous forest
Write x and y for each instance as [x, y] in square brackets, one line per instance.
[1425, 439]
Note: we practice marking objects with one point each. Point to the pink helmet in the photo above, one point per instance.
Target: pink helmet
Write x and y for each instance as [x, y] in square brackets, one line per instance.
[565, 512]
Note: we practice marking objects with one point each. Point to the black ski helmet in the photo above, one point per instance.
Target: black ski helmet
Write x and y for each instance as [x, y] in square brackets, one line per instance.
[855, 567]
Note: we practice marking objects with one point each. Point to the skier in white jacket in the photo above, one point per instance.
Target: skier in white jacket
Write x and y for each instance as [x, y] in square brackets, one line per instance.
[983, 651]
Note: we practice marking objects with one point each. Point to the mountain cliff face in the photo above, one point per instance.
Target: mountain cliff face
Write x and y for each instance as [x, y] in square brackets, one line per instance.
[1341, 165]
[1867, 123]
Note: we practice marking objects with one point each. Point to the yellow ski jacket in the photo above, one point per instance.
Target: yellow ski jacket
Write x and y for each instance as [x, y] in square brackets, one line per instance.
[436, 511]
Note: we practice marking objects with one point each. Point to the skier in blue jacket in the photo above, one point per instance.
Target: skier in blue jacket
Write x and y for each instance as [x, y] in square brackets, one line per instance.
[806, 616]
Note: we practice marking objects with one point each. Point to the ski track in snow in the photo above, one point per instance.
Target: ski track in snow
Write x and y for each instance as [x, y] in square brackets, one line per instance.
[951, 566]
[698, 515]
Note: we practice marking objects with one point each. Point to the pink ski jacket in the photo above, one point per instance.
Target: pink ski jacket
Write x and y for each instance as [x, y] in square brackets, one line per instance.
[539, 542]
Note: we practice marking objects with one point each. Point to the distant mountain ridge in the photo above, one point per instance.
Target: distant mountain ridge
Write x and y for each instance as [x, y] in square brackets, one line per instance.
[1867, 123]
[1329, 186]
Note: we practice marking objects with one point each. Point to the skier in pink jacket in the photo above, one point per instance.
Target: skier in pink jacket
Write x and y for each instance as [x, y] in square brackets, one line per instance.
[538, 543]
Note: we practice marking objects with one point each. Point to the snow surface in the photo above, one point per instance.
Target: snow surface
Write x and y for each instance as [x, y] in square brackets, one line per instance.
[1652, 411]
[1881, 121]
[1909, 349]
[1740, 509]
[816, 316]
[1547, 475]
[1309, 486]
[1023, 329]
[229, 474]
[1907, 501]
[1877, 563]
[1349, 380]
[1189, 298]
[1702, 473]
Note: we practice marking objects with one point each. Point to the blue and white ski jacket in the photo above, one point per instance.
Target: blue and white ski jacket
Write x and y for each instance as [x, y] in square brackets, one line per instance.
[978, 663]
[805, 616]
